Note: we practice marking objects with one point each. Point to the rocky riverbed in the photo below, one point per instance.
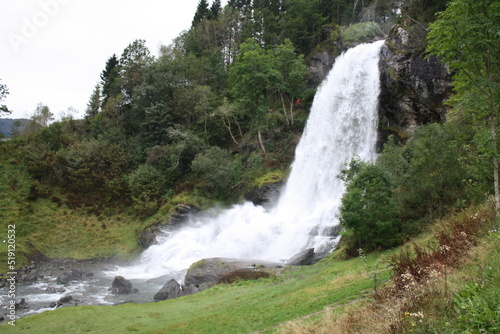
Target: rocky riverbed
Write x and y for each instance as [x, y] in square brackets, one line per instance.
[50, 284]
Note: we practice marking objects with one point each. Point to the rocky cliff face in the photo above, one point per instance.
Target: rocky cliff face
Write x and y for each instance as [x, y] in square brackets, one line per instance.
[414, 88]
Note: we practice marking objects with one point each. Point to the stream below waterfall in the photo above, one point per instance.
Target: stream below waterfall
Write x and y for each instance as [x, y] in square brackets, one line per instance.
[342, 124]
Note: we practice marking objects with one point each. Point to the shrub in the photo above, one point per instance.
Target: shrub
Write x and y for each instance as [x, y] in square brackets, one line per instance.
[214, 167]
[95, 168]
[361, 33]
[146, 185]
[368, 212]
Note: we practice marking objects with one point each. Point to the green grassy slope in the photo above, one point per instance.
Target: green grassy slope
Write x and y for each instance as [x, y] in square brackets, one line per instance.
[54, 229]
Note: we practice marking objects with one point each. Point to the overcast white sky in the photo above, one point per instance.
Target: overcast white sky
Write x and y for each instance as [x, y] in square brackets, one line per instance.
[53, 51]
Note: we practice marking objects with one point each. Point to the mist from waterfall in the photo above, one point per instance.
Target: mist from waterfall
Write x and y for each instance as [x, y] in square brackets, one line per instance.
[342, 124]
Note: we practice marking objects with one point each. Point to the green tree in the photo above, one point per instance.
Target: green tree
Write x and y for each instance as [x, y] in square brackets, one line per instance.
[42, 115]
[430, 173]
[250, 78]
[4, 91]
[154, 128]
[147, 184]
[201, 12]
[95, 169]
[184, 147]
[215, 168]
[467, 37]
[292, 79]
[267, 18]
[303, 24]
[94, 104]
[369, 212]
[335, 10]
[110, 80]
[133, 62]
[215, 10]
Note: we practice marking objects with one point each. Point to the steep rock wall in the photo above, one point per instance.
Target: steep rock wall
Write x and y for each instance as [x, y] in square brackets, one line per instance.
[414, 88]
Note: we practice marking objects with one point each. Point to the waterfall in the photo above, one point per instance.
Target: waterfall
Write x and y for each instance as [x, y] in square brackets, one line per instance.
[342, 124]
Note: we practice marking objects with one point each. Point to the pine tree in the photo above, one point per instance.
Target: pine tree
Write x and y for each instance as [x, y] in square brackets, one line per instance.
[94, 104]
[215, 10]
[110, 79]
[201, 12]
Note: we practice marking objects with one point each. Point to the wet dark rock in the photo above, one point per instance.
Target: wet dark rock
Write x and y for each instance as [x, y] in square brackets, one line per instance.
[121, 286]
[414, 87]
[303, 258]
[22, 305]
[172, 289]
[319, 67]
[64, 300]
[52, 289]
[72, 275]
[265, 195]
[181, 215]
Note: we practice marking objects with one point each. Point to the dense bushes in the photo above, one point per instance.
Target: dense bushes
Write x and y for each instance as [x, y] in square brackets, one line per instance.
[214, 167]
[146, 184]
[409, 185]
[369, 213]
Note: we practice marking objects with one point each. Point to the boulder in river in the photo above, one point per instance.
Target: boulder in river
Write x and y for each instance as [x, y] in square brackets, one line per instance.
[64, 300]
[72, 275]
[172, 289]
[122, 286]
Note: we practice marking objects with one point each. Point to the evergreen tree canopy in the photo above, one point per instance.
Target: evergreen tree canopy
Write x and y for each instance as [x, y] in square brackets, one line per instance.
[110, 79]
[201, 12]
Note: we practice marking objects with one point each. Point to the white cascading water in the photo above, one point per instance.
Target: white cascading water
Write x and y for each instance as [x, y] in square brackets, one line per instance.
[342, 124]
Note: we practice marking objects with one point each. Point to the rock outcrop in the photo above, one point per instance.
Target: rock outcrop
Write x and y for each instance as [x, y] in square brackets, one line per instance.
[265, 195]
[304, 258]
[181, 214]
[320, 64]
[414, 87]
[208, 271]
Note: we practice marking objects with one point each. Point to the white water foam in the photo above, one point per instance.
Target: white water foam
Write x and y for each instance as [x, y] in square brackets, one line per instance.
[342, 124]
